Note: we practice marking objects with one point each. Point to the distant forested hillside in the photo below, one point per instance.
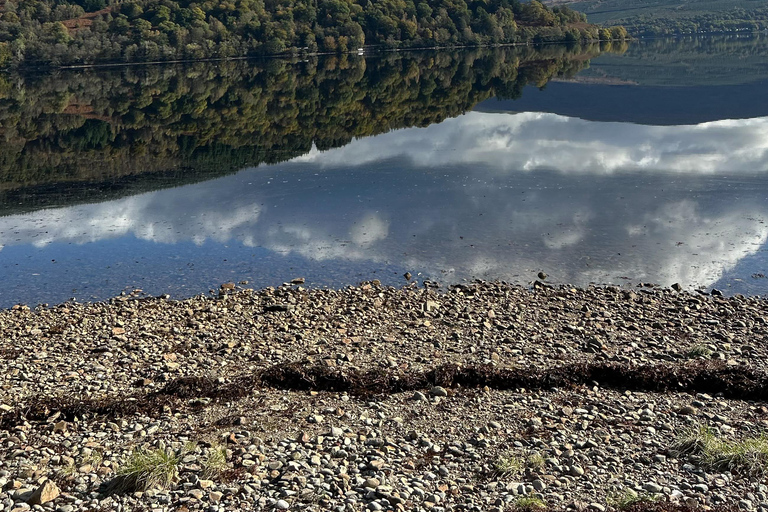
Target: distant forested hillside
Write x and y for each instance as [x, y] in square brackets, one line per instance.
[70, 32]
[662, 17]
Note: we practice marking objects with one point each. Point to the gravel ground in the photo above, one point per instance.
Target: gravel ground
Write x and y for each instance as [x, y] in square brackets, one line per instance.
[580, 447]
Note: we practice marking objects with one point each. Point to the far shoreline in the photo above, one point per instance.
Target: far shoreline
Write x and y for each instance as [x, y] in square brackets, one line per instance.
[368, 51]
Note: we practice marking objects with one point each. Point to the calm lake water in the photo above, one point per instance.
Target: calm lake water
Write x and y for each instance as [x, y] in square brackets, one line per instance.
[640, 165]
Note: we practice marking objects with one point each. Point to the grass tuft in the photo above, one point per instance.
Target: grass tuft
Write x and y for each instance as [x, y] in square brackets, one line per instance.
[699, 350]
[146, 469]
[535, 461]
[215, 462]
[622, 500]
[94, 458]
[68, 470]
[748, 456]
[528, 504]
[507, 464]
[695, 442]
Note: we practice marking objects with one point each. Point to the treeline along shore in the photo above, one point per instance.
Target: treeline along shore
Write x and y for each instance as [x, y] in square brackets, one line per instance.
[79, 32]
[485, 396]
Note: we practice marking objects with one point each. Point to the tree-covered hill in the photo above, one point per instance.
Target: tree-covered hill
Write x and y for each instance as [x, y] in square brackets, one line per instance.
[666, 17]
[71, 32]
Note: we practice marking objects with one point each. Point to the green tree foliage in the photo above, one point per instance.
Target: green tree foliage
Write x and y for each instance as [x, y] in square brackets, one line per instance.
[72, 32]
[189, 121]
[619, 33]
[5, 54]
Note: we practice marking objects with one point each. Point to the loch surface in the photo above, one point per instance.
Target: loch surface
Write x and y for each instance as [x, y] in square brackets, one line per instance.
[620, 167]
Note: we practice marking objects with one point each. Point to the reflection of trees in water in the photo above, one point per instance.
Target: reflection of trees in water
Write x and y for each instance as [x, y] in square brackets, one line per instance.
[702, 60]
[719, 45]
[97, 126]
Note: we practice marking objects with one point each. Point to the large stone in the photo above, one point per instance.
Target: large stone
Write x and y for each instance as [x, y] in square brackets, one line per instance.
[439, 391]
[45, 493]
[652, 487]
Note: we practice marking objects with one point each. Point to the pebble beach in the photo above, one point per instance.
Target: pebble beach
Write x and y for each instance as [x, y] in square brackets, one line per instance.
[480, 397]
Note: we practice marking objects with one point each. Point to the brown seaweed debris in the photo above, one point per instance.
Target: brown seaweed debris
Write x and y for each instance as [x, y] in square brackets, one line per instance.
[714, 377]
[694, 377]
[300, 377]
[206, 387]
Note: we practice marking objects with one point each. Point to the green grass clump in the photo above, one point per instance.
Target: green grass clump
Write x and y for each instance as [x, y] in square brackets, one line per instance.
[528, 504]
[68, 470]
[146, 469]
[698, 350]
[535, 461]
[94, 458]
[696, 441]
[507, 464]
[510, 464]
[215, 462]
[747, 456]
[626, 498]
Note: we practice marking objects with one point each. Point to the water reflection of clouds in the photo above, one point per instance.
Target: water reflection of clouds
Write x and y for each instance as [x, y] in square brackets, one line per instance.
[434, 199]
[711, 244]
[530, 141]
[163, 217]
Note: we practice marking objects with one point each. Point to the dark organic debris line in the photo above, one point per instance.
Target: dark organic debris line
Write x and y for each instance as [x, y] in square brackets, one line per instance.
[742, 383]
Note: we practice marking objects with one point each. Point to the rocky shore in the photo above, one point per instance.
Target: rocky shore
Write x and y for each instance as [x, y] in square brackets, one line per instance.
[482, 397]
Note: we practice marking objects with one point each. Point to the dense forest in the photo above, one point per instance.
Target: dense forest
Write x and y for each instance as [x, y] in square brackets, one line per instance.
[72, 32]
[200, 120]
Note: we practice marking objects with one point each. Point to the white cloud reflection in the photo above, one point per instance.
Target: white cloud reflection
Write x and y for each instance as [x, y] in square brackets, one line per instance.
[533, 141]
[461, 199]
